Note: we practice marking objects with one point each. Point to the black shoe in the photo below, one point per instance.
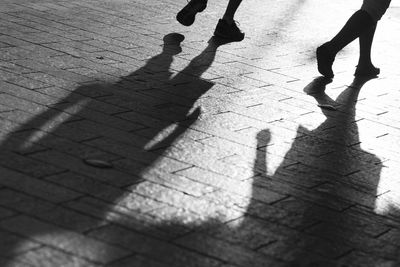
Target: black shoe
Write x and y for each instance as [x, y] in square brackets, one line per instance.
[367, 72]
[325, 61]
[228, 31]
[187, 15]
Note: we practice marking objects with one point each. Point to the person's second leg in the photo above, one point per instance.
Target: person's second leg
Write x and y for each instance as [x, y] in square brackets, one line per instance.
[230, 11]
[361, 24]
[226, 27]
[187, 14]
[365, 66]
[357, 24]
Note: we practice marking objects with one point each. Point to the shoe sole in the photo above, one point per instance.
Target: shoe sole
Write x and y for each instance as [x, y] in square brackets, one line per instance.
[227, 37]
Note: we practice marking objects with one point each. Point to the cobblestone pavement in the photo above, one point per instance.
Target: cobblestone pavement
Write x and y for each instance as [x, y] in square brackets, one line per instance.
[130, 140]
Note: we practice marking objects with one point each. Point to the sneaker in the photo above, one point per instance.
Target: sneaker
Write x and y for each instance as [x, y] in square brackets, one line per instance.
[228, 31]
[187, 15]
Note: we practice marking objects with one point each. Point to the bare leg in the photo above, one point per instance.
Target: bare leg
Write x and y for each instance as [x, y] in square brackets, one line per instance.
[356, 26]
[230, 11]
[365, 66]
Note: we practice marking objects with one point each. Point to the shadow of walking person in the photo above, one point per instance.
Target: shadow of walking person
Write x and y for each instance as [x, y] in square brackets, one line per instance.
[331, 177]
[84, 155]
[309, 212]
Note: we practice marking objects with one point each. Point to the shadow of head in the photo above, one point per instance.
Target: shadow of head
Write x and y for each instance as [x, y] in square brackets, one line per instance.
[172, 43]
[263, 138]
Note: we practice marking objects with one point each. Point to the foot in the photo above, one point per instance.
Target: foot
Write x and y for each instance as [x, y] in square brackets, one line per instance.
[187, 15]
[228, 31]
[367, 71]
[325, 61]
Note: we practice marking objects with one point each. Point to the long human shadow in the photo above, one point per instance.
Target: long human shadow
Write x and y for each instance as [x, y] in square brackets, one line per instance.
[101, 148]
[301, 215]
[331, 173]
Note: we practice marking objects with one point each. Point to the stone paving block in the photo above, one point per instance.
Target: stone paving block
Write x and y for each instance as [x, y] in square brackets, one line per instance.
[27, 94]
[76, 164]
[20, 117]
[13, 262]
[227, 252]
[135, 105]
[41, 52]
[38, 74]
[36, 187]
[19, 202]
[63, 135]
[87, 185]
[209, 178]
[97, 117]
[4, 213]
[47, 256]
[186, 133]
[68, 219]
[13, 41]
[65, 240]
[168, 195]
[357, 258]
[14, 68]
[128, 149]
[128, 218]
[142, 119]
[361, 218]
[138, 260]
[276, 214]
[27, 165]
[314, 252]
[179, 183]
[60, 74]
[123, 237]
[47, 211]
[4, 108]
[345, 192]
[21, 104]
[355, 239]
[77, 149]
[8, 240]
[28, 83]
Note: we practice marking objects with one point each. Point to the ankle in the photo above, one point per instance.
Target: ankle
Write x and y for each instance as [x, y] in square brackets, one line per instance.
[365, 65]
[228, 19]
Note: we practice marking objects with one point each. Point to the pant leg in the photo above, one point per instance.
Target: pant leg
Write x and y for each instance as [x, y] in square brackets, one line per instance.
[375, 8]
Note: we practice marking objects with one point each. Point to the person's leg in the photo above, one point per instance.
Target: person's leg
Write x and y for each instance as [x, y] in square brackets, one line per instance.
[365, 66]
[226, 27]
[230, 11]
[361, 24]
[187, 14]
[376, 9]
[357, 24]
